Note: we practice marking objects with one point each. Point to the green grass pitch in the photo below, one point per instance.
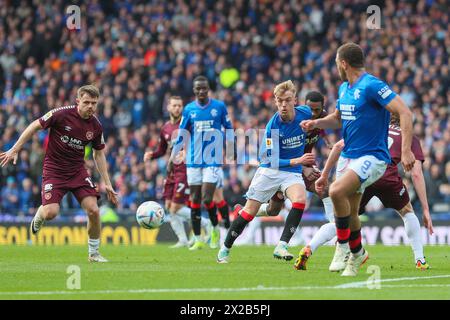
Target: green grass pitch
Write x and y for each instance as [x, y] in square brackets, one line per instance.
[157, 272]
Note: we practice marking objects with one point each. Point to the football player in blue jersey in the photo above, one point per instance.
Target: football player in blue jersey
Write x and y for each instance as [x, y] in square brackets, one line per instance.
[363, 111]
[281, 161]
[201, 133]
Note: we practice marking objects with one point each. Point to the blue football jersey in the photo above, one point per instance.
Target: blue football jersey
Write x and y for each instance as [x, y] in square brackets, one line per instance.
[365, 120]
[284, 141]
[202, 127]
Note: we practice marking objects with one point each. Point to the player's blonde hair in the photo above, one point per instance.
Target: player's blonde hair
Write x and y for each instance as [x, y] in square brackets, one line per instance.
[281, 88]
[90, 89]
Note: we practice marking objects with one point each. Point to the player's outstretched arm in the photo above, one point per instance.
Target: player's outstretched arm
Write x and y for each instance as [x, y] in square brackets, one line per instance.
[100, 163]
[12, 153]
[399, 108]
[419, 184]
[331, 121]
[333, 157]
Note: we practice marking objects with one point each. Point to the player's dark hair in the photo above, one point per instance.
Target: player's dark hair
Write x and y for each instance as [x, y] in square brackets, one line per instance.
[352, 54]
[200, 78]
[395, 120]
[315, 96]
[90, 89]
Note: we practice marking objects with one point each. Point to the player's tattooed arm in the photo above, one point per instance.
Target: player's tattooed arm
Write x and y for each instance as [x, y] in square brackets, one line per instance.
[101, 164]
[399, 108]
[333, 157]
[11, 154]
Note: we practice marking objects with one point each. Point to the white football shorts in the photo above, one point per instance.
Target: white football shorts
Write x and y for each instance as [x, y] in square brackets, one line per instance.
[368, 168]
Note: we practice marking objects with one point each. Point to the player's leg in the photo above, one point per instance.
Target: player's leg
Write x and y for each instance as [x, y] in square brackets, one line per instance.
[212, 176]
[51, 195]
[222, 206]
[296, 193]
[412, 228]
[363, 171]
[89, 205]
[44, 213]
[340, 191]
[194, 177]
[178, 210]
[246, 215]
[273, 207]
[196, 196]
[177, 224]
[325, 233]
[261, 189]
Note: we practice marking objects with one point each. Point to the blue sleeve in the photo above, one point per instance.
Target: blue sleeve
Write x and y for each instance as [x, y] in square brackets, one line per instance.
[226, 122]
[267, 146]
[380, 92]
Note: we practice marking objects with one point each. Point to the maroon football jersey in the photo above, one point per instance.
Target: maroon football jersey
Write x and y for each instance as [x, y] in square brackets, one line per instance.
[395, 149]
[68, 136]
[166, 138]
[313, 136]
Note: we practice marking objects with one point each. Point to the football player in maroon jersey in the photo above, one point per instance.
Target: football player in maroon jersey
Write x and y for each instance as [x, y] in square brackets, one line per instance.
[71, 129]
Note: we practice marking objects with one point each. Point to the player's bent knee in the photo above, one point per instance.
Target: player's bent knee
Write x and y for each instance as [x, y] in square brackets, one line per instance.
[93, 212]
[50, 211]
[336, 192]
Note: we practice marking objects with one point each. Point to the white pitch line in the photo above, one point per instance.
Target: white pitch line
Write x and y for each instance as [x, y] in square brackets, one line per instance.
[191, 290]
[364, 283]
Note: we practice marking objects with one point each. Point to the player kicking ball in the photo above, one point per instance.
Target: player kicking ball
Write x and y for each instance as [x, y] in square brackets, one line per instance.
[363, 113]
[282, 158]
[72, 128]
[315, 101]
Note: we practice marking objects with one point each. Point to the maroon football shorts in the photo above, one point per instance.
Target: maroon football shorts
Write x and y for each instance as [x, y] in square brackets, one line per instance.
[81, 185]
[393, 194]
[176, 188]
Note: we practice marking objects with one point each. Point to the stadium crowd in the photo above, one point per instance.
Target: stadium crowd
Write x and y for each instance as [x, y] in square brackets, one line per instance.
[141, 52]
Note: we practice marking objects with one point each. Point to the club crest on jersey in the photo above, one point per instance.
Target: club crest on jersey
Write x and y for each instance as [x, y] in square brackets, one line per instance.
[356, 94]
[193, 115]
[89, 135]
[214, 113]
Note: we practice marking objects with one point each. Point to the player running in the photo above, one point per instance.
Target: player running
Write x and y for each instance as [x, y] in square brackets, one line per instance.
[392, 192]
[201, 132]
[282, 158]
[72, 128]
[315, 101]
[363, 113]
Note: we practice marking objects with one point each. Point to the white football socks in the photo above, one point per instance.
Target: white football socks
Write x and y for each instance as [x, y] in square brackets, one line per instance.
[93, 245]
[326, 233]
[184, 213]
[329, 209]
[176, 222]
[412, 228]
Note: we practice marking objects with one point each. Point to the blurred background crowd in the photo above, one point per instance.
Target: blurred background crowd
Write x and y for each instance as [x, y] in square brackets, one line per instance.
[141, 52]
